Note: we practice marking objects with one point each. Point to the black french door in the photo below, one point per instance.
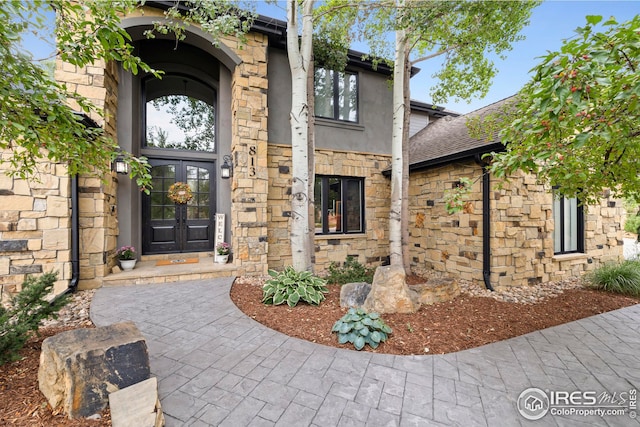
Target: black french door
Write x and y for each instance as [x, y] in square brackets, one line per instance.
[171, 227]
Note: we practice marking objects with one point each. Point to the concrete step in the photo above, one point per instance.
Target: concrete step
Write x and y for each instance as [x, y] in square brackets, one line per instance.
[148, 272]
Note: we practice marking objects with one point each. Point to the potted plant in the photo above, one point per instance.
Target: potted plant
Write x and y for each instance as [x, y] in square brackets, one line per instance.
[127, 256]
[222, 252]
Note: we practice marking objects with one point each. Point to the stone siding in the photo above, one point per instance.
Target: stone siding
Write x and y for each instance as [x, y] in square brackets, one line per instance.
[97, 201]
[521, 230]
[250, 180]
[35, 227]
[370, 247]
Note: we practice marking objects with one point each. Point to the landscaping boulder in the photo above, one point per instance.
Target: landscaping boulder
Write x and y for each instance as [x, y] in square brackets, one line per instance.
[79, 368]
[354, 294]
[137, 405]
[390, 293]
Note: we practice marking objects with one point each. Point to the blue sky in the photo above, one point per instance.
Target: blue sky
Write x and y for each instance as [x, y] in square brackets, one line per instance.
[551, 22]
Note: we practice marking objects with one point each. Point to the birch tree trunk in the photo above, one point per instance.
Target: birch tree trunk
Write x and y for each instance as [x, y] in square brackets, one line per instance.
[406, 255]
[299, 49]
[397, 164]
[311, 143]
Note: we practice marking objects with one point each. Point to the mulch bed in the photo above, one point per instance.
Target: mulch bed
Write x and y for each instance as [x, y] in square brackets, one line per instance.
[465, 322]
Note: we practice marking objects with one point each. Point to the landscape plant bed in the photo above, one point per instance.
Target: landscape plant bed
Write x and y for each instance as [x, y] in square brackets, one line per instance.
[462, 323]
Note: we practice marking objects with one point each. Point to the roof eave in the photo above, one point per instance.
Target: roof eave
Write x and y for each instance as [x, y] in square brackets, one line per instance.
[450, 158]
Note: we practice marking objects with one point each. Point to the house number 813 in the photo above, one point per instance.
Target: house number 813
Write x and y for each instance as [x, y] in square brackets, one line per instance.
[252, 160]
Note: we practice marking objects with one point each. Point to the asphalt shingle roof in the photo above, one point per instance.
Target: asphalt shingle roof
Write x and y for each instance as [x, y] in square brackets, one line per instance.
[448, 139]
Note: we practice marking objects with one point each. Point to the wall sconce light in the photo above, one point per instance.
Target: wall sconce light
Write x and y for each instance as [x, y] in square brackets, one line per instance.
[120, 166]
[226, 170]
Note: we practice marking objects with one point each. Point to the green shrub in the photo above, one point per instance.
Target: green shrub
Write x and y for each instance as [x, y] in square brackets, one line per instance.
[21, 318]
[632, 224]
[360, 328]
[622, 278]
[291, 286]
[351, 271]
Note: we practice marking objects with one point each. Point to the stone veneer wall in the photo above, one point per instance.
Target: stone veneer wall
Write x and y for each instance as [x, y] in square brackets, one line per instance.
[370, 247]
[35, 214]
[249, 151]
[35, 227]
[521, 230]
[97, 198]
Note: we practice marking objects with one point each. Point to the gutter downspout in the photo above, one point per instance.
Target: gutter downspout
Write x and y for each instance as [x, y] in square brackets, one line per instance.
[75, 237]
[486, 224]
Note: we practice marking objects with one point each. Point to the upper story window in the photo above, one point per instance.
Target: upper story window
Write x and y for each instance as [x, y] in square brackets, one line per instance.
[180, 114]
[568, 231]
[339, 205]
[336, 95]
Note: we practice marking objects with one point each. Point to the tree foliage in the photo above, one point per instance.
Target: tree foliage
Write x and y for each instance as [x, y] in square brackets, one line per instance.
[576, 124]
[35, 119]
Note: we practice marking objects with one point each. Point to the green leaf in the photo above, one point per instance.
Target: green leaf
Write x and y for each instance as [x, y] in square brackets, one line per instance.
[278, 299]
[336, 326]
[594, 19]
[345, 328]
[293, 299]
[375, 336]
[359, 343]
[343, 338]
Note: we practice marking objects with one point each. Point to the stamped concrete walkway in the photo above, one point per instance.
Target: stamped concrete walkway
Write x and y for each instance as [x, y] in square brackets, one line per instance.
[216, 366]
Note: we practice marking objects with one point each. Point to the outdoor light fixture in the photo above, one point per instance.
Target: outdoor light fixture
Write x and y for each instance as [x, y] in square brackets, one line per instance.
[226, 170]
[120, 166]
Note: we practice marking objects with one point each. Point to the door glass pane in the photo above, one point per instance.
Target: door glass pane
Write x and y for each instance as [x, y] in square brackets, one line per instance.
[198, 180]
[354, 205]
[180, 114]
[161, 206]
[335, 205]
[156, 212]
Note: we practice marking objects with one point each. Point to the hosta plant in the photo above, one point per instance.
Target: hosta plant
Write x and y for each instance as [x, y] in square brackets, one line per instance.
[359, 328]
[291, 286]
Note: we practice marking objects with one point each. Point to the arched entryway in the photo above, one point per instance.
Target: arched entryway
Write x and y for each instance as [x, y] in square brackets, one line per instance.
[181, 124]
[179, 118]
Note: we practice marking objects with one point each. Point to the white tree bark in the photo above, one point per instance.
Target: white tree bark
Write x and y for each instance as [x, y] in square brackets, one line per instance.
[299, 50]
[397, 167]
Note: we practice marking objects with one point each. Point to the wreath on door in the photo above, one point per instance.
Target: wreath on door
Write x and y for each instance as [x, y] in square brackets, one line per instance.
[180, 193]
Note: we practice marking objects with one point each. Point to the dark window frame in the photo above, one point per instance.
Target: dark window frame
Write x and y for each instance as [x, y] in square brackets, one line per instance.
[336, 95]
[560, 228]
[324, 179]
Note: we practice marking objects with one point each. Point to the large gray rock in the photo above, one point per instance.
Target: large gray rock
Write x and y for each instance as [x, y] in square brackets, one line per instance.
[390, 293]
[354, 294]
[79, 368]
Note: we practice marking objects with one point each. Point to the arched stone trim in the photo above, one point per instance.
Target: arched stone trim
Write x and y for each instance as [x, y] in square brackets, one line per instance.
[195, 36]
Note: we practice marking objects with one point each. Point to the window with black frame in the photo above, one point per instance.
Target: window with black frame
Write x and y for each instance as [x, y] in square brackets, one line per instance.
[339, 205]
[568, 218]
[336, 95]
